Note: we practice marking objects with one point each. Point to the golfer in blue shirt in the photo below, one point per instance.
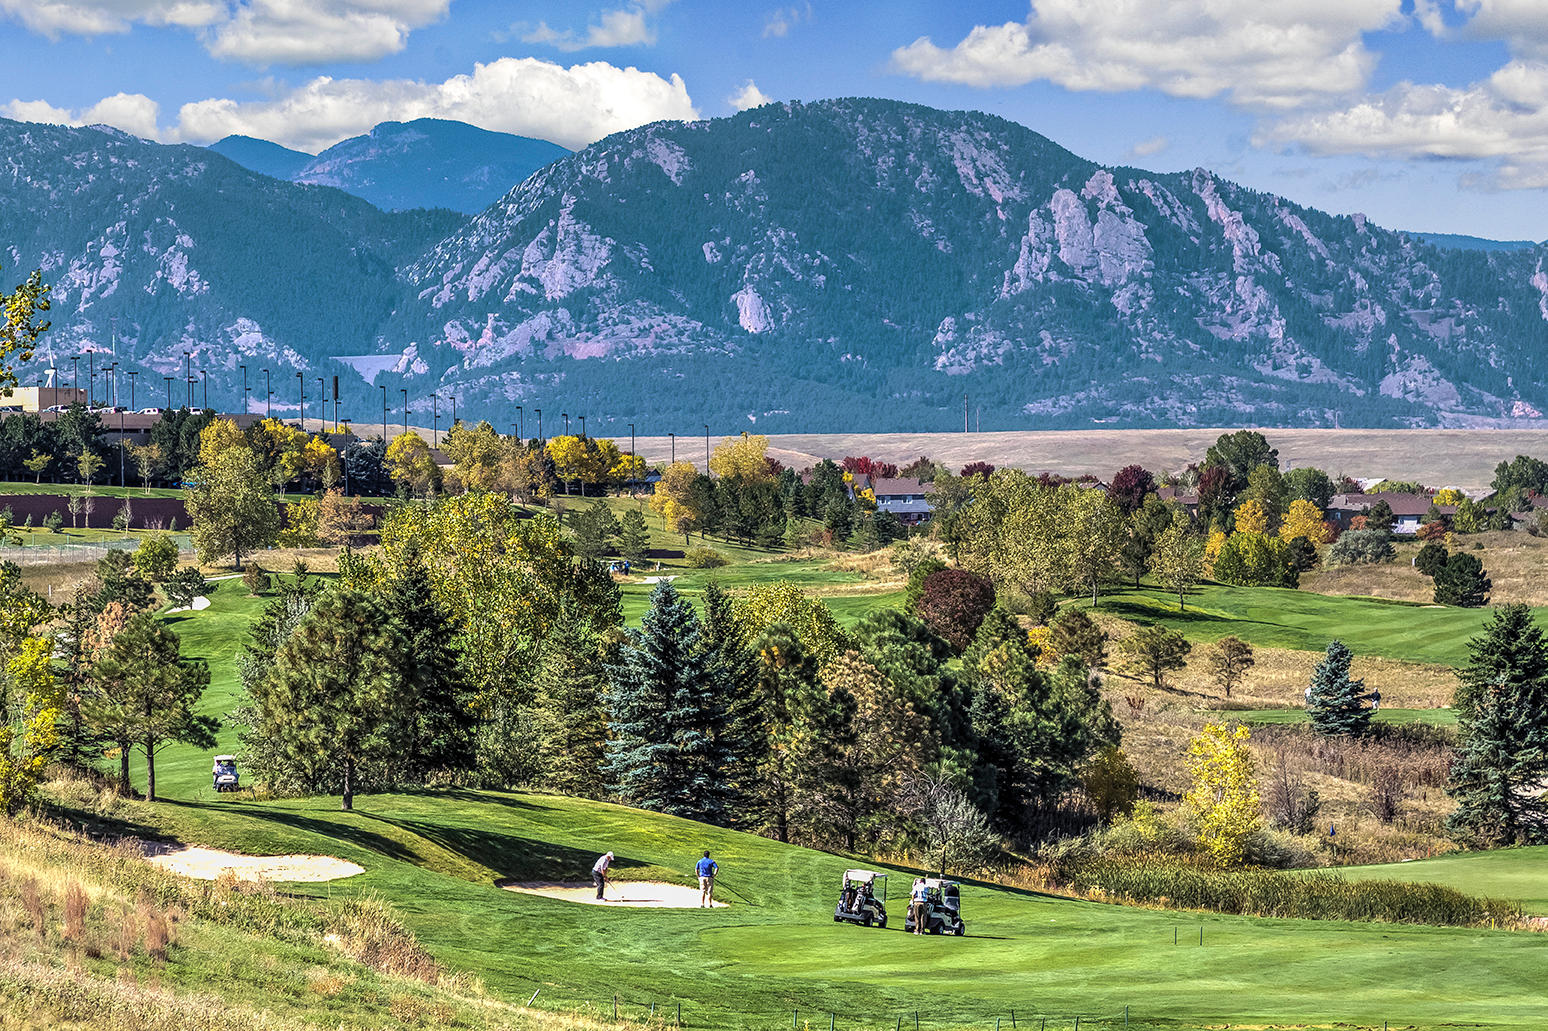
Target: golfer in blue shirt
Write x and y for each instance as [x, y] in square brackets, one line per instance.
[707, 869]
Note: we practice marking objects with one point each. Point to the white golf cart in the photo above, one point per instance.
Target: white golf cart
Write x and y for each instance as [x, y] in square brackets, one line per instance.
[858, 902]
[942, 908]
[224, 774]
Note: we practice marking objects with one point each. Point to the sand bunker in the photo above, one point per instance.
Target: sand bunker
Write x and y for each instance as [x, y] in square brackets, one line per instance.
[199, 605]
[206, 864]
[640, 894]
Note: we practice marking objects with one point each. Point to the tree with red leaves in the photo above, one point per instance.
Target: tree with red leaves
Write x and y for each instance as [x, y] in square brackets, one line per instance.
[1216, 499]
[953, 603]
[976, 469]
[865, 465]
[1129, 487]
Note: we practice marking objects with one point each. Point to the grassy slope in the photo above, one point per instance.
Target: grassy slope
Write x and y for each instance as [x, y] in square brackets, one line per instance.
[1434, 717]
[1281, 618]
[1518, 873]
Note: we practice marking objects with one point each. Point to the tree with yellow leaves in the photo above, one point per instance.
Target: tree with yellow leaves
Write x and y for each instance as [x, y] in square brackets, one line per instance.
[320, 460]
[1212, 548]
[783, 602]
[217, 438]
[1252, 517]
[1448, 496]
[578, 460]
[673, 500]
[1224, 797]
[476, 454]
[1304, 519]
[34, 702]
[409, 462]
[742, 458]
[280, 448]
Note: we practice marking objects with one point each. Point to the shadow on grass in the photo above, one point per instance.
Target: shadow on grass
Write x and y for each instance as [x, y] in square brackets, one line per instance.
[511, 856]
[360, 837]
[1148, 615]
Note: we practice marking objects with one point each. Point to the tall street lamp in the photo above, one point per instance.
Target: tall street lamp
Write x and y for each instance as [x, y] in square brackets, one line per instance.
[322, 393]
[674, 447]
[268, 396]
[244, 388]
[518, 422]
[631, 448]
[566, 416]
[435, 419]
[539, 412]
[384, 411]
[301, 390]
[583, 427]
[405, 410]
[204, 384]
[131, 374]
[75, 361]
[188, 375]
[169, 392]
[706, 449]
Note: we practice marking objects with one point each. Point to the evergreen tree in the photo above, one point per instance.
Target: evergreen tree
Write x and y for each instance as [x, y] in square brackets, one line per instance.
[787, 676]
[1335, 702]
[1502, 714]
[667, 714]
[436, 727]
[144, 694]
[633, 538]
[328, 702]
[571, 717]
[1461, 581]
[734, 666]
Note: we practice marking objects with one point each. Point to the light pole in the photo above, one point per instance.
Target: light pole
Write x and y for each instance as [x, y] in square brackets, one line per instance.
[384, 411]
[631, 450]
[131, 376]
[518, 422]
[405, 410]
[674, 447]
[583, 427]
[188, 375]
[539, 412]
[322, 393]
[706, 449]
[204, 385]
[75, 391]
[435, 419]
[454, 408]
[169, 392]
[566, 416]
[301, 390]
[244, 388]
[91, 377]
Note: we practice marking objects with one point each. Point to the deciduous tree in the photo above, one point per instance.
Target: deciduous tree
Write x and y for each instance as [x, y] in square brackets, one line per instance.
[1178, 559]
[1223, 798]
[1229, 661]
[1154, 651]
[231, 506]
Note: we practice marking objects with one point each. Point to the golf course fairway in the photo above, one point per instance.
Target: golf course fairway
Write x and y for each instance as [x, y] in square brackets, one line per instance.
[437, 856]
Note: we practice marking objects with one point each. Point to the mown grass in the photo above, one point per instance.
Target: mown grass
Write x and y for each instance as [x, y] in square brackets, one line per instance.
[1398, 717]
[1284, 618]
[1518, 873]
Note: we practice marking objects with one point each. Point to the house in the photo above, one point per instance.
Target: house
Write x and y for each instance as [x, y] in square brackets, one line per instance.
[904, 497]
[1409, 509]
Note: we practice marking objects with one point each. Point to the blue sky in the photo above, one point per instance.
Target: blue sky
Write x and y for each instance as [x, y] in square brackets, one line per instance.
[1424, 114]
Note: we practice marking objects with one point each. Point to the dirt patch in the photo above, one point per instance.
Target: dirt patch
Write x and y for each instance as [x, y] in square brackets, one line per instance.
[637, 894]
[206, 864]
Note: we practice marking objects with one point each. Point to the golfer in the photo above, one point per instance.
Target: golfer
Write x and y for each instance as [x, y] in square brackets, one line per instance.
[599, 874]
[916, 904]
[707, 868]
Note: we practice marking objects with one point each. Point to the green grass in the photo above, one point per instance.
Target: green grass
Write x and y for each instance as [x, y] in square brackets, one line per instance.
[1430, 717]
[1516, 873]
[1282, 618]
[100, 490]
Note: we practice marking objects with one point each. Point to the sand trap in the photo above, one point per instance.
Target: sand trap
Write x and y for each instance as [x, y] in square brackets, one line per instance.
[199, 605]
[658, 579]
[639, 894]
[206, 864]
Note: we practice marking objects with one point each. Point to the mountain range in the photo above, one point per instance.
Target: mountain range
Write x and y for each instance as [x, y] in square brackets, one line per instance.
[841, 265]
[426, 163]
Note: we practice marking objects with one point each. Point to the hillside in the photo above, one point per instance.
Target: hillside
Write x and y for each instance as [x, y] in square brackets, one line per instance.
[837, 265]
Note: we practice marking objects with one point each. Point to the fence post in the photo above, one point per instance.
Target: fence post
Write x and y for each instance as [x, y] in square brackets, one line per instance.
[831, 1017]
[795, 1018]
[1126, 1016]
[534, 997]
[615, 1007]
[679, 1014]
[996, 1024]
[1013, 1020]
[1201, 934]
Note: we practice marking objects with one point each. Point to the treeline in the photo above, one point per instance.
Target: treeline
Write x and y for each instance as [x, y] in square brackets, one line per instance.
[475, 647]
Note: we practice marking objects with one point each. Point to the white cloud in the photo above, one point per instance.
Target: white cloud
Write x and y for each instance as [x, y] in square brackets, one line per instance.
[572, 106]
[749, 96]
[1145, 148]
[1275, 55]
[1522, 24]
[1502, 119]
[258, 32]
[620, 27]
[780, 22]
[132, 112]
[54, 18]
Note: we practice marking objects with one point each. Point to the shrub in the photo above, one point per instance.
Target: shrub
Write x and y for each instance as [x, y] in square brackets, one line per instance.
[1042, 608]
[953, 602]
[1462, 582]
[120, 522]
[1430, 558]
[156, 557]
[1272, 893]
[1111, 783]
[256, 580]
[917, 575]
[1362, 547]
[705, 558]
[54, 521]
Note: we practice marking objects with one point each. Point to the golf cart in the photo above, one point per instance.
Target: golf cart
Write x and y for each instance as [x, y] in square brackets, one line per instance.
[225, 774]
[858, 903]
[942, 908]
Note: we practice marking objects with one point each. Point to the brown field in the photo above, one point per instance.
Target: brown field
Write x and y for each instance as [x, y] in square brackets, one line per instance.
[1459, 458]
[1516, 563]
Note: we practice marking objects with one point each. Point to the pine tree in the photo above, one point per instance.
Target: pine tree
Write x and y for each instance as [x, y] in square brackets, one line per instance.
[435, 732]
[667, 713]
[1502, 714]
[1335, 702]
[327, 704]
[1461, 581]
[572, 720]
[144, 694]
[733, 666]
[633, 538]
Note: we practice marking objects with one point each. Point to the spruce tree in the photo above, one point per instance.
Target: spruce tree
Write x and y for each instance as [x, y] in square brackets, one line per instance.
[572, 720]
[1336, 702]
[667, 714]
[1461, 581]
[435, 728]
[633, 537]
[733, 667]
[1502, 715]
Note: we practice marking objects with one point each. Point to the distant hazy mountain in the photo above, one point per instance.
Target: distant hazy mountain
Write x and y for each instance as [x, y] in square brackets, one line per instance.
[842, 265]
[427, 163]
[1453, 241]
[262, 156]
